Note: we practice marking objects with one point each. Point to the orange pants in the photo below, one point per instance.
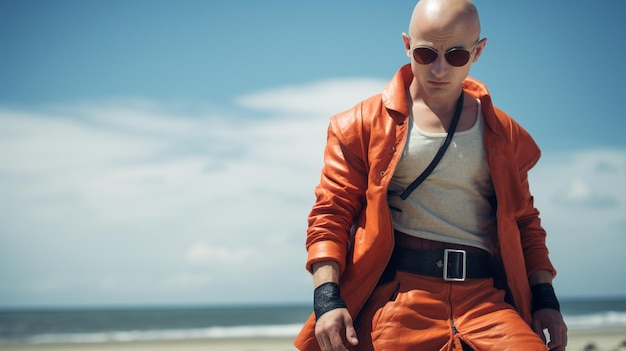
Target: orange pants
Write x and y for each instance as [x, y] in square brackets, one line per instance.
[416, 312]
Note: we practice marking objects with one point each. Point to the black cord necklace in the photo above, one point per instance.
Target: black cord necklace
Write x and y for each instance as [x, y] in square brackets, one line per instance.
[439, 155]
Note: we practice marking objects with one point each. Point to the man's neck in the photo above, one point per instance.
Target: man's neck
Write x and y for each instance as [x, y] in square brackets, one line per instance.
[441, 105]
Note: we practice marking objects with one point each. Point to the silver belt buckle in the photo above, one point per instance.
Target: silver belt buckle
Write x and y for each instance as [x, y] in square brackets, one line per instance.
[454, 265]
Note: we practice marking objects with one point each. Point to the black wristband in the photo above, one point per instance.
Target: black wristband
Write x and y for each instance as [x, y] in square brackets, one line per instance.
[326, 298]
[544, 297]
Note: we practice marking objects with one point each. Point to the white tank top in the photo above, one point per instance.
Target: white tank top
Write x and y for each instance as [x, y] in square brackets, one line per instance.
[456, 202]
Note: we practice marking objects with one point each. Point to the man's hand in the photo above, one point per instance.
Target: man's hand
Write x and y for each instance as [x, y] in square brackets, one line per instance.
[333, 327]
[548, 318]
[553, 321]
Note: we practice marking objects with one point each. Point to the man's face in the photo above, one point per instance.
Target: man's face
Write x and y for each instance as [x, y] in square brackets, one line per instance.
[442, 77]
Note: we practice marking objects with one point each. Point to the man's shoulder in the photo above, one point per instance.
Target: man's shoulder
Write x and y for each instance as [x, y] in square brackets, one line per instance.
[360, 114]
[509, 125]
[390, 102]
[523, 144]
[368, 107]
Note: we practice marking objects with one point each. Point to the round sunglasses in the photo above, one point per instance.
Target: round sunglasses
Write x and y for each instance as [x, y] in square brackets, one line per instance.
[456, 57]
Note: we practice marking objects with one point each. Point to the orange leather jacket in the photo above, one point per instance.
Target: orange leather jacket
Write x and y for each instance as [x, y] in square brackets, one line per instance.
[350, 222]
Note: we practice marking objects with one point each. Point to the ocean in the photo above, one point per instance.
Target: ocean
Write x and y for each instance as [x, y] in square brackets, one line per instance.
[98, 325]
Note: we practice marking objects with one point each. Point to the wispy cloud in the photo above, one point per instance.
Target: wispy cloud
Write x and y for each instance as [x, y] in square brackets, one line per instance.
[578, 193]
[111, 202]
[322, 98]
[124, 194]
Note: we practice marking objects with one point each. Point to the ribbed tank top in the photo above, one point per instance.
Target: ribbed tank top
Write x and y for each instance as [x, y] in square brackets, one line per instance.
[456, 203]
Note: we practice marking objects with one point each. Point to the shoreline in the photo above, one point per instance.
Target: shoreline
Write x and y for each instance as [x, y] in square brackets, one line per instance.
[608, 339]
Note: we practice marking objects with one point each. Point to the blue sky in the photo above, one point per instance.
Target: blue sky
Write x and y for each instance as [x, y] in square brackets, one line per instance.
[165, 152]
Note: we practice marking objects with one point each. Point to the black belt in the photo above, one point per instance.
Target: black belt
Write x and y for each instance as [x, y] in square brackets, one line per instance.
[449, 264]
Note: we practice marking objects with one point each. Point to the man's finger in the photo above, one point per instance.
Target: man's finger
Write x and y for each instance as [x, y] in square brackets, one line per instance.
[336, 342]
[324, 343]
[558, 340]
[351, 333]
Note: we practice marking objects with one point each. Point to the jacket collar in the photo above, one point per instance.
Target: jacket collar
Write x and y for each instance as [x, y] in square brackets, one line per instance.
[395, 94]
[394, 97]
[479, 90]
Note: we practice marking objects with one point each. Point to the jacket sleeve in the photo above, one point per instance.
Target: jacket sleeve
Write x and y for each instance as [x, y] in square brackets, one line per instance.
[533, 235]
[340, 194]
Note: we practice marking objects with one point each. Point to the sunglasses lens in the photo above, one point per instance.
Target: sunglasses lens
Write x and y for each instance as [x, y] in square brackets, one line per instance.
[457, 57]
[424, 56]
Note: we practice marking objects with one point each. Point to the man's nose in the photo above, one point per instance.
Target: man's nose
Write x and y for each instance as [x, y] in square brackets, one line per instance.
[439, 67]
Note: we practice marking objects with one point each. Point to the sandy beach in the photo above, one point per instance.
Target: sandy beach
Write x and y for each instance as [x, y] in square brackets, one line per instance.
[604, 340]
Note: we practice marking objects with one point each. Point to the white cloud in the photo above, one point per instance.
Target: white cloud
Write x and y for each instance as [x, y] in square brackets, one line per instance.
[579, 193]
[138, 192]
[322, 98]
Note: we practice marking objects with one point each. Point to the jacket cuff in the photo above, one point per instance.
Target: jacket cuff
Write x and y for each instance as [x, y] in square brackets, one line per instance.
[325, 251]
[538, 263]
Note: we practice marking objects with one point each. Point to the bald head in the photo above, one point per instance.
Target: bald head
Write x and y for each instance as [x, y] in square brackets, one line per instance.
[442, 18]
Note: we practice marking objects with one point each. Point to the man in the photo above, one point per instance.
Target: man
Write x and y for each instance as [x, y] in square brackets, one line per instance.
[406, 264]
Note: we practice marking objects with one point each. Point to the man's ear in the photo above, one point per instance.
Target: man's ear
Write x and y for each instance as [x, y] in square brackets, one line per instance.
[480, 46]
[407, 44]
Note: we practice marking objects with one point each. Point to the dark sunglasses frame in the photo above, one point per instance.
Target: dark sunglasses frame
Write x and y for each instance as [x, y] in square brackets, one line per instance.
[456, 57]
